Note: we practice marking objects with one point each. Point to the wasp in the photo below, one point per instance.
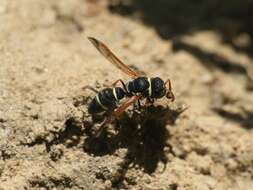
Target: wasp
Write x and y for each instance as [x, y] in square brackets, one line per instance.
[139, 87]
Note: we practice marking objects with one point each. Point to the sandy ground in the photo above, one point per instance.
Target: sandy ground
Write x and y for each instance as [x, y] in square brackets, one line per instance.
[46, 134]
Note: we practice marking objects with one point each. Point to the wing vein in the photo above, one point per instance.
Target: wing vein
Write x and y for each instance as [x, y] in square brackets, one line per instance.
[110, 56]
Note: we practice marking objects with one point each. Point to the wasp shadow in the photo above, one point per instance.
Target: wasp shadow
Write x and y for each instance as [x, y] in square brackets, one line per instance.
[172, 19]
[244, 119]
[210, 60]
[143, 134]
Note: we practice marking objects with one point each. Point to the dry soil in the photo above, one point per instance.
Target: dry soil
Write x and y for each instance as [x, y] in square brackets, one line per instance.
[202, 141]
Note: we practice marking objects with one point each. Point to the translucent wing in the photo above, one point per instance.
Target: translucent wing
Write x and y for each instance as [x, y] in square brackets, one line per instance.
[109, 55]
[117, 112]
[125, 105]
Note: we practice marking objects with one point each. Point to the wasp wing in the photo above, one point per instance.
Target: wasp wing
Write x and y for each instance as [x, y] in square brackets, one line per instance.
[125, 105]
[118, 112]
[109, 55]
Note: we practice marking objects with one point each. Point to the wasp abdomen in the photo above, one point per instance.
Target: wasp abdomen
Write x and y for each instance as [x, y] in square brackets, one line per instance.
[106, 97]
[105, 100]
[94, 107]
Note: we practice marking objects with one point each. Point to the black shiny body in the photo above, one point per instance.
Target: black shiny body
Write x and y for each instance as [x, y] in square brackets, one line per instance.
[105, 100]
[152, 88]
[138, 85]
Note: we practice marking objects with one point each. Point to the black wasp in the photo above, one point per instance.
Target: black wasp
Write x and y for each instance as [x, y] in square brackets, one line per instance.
[107, 100]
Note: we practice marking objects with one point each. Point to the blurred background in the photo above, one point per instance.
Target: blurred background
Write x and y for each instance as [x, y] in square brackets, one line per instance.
[230, 19]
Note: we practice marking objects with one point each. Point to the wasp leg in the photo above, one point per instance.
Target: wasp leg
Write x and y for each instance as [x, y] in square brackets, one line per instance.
[139, 104]
[90, 88]
[121, 81]
[168, 82]
[117, 113]
[116, 82]
[149, 102]
[169, 94]
[137, 107]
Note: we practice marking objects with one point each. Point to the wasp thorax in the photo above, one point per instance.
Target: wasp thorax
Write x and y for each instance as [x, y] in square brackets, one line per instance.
[138, 85]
